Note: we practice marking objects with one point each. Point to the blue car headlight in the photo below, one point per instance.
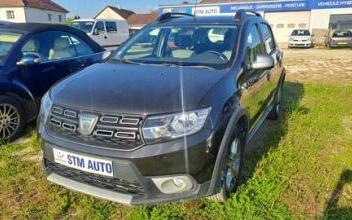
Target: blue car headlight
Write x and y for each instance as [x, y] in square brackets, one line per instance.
[174, 125]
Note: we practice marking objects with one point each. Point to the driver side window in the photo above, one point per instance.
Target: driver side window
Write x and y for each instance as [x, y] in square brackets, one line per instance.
[99, 28]
[254, 45]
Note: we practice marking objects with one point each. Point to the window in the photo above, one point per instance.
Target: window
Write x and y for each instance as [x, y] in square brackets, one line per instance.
[10, 15]
[302, 25]
[99, 27]
[268, 37]
[82, 48]
[49, 17]
[186, 45]
[144, 45]
[111, 26]
[280, 25]
[60, 18]
[254, 45]
[53, 45]
[291, 25]
[7, 42]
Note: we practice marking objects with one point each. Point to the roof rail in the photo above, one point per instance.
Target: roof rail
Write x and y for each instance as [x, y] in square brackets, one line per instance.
[242, 13]
[170, 15]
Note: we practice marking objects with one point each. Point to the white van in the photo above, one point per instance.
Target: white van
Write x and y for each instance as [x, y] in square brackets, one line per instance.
[107, 33]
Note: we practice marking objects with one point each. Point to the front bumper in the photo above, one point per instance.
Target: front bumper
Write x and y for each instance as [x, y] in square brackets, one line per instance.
[300, 44]
[132, 183]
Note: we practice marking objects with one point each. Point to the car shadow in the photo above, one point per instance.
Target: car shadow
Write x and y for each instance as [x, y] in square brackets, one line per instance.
[271, 132]
[332, 211]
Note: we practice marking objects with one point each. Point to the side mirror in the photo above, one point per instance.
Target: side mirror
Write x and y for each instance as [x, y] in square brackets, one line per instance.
[29, 59]
[107, 55]
[263, 62]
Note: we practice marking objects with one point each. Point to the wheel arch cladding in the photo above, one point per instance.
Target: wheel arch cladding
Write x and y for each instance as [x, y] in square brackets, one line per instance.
[238, 117]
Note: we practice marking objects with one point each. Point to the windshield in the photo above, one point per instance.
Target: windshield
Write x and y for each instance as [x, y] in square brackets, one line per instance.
[197, 46]
[85, 26]
[342, 34]
[7, 40]
[300, 33]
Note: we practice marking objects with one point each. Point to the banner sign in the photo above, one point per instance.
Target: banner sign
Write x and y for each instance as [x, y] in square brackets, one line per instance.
[274, 6]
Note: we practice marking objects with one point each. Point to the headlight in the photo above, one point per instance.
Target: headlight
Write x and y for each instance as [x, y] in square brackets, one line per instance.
[45, 108]
[291, 39]
[175, 125]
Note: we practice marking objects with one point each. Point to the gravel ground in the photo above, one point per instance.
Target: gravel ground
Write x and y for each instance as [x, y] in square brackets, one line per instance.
[319, 65]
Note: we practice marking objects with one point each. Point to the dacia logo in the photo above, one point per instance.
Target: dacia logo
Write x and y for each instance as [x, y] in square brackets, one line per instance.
[87, 123]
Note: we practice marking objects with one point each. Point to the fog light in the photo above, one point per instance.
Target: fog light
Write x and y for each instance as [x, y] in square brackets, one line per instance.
[175, 184]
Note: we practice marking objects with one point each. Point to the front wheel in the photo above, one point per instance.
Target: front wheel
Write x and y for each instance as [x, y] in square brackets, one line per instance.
[275, 112]
[232, 168]
[11, 119]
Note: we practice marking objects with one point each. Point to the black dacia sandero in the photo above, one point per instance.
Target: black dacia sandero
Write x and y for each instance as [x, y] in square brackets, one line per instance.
[168, 116]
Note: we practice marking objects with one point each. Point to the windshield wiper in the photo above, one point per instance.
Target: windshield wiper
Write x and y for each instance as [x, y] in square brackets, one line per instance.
[127, 61]
[178, 65]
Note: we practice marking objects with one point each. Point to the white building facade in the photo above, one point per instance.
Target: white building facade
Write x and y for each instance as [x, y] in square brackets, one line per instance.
[32, 12]
[283, 15]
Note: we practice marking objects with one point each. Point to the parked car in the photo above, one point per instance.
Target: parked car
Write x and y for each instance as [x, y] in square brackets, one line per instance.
[32, 58]
[300, 38]
[107, 33]
[338, 38]
[168, 122]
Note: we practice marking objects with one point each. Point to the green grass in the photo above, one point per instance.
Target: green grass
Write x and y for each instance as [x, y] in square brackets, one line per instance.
[301, 167]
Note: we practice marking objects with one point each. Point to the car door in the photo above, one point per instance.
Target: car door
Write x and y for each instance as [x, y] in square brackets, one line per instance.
[114, 37]
[58, 59]
[99, 33]
[254, 83]
[272, 50]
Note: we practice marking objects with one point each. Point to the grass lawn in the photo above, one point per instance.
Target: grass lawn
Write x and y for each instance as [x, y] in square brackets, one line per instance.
[298, 167]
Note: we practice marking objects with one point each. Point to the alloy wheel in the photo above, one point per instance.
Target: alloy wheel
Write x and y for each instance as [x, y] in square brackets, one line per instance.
[9, 121]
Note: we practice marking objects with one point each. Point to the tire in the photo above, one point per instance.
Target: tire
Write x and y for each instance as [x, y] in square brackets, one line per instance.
[230, 185]
[12, 119]
[275, 112]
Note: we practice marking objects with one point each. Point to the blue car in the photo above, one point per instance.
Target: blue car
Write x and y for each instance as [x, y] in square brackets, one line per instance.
[32, 58]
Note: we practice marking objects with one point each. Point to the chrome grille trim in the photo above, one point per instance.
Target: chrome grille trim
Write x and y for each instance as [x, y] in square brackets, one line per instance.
[70, 113]
[129, 121]
[58, 110]
[56, 122]
[126, 135]
[111, 131]
[104, 133]
[69, 127]
[109, 119]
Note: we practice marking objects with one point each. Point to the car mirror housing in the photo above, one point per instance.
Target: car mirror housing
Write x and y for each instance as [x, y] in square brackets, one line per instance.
[263, 62]
[29, 59]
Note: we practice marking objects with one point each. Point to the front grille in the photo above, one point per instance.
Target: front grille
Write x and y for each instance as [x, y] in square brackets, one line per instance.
[111, 130]
[113, 184]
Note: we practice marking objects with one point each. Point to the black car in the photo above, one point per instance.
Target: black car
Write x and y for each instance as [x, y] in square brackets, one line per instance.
[169, 115]
[32, 58]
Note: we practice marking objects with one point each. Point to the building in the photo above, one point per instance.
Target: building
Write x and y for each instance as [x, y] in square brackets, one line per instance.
[138, 21]
[111, 12]
[283, 15]
[37, 11]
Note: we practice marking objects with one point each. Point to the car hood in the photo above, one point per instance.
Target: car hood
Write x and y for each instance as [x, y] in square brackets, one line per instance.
[136, 89]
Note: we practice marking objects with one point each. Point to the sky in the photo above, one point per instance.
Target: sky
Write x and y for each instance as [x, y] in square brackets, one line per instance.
[89, 8]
